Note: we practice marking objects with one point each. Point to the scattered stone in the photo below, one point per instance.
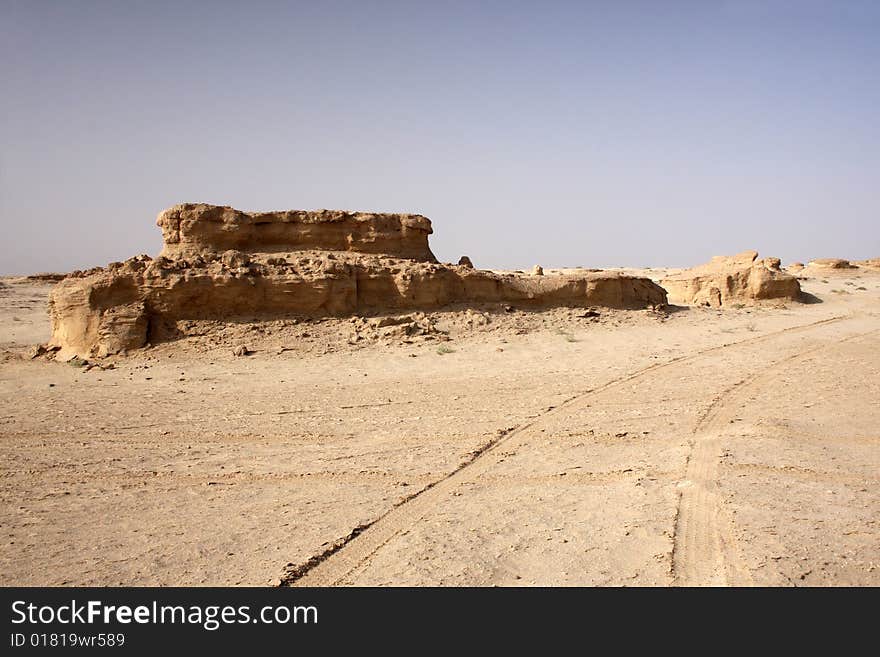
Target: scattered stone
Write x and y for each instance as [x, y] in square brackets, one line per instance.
[235, 259]
[871, 263]
[241, 350]
[391, 321]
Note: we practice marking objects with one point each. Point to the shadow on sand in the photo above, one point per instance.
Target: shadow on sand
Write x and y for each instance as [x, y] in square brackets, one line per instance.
[806, 297]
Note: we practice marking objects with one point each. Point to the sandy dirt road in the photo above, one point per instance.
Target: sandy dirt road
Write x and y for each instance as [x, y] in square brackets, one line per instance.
[693, 545]
[738, 447]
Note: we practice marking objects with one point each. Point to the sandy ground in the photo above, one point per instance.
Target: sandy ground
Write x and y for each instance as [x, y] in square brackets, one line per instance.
[505, 448]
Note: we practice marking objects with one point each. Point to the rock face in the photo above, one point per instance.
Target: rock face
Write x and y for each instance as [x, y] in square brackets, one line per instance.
[128, 305]
[732, 279]
[196, 229]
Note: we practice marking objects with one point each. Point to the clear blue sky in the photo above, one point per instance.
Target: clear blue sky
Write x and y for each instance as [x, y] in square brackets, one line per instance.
[560, 133]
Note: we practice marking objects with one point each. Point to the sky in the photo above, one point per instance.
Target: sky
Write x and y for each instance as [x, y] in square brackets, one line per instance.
[593, 134]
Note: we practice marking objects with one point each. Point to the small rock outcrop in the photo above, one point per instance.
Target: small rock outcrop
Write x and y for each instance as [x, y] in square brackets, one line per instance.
[222, 264]
[831, 263]
[46, 277]
[732, 279]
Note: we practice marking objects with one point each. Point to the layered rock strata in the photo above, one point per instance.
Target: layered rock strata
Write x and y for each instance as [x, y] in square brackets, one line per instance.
[128, 305]
[193, 229]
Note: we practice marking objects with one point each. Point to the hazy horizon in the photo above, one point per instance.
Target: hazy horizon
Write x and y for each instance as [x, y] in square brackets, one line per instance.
[592, 134]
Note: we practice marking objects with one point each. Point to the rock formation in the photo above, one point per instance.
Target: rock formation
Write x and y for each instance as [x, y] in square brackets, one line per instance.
[295, 263]
[830, 263]
[732, 279]
[46, 277]
[193, 229]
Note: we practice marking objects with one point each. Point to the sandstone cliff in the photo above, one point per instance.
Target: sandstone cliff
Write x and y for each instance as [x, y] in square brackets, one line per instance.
[196, 228]
[128, 304]
[732, 279]
[295, 264]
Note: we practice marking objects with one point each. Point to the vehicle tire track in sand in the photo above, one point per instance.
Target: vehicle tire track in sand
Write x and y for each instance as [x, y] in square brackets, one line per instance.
[705, 551]
[348, 553]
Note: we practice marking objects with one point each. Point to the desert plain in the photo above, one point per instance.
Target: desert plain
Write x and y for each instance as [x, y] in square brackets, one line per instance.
[474, 444]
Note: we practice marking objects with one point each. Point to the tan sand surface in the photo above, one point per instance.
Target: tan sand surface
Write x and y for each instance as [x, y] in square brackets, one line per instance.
[699, 446]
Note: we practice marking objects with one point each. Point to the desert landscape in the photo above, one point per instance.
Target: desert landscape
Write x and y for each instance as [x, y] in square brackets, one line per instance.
[312, 399]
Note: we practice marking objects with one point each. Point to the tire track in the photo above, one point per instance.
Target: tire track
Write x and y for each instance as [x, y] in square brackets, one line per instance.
[705, 551]
[350, 552]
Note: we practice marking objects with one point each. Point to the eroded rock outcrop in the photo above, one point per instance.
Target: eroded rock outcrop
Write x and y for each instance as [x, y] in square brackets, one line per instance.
[197, 228]
[126, 305]
[732, 279]
[830, 263]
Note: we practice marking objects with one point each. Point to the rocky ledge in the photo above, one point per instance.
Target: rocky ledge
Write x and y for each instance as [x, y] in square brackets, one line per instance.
[127, 305]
